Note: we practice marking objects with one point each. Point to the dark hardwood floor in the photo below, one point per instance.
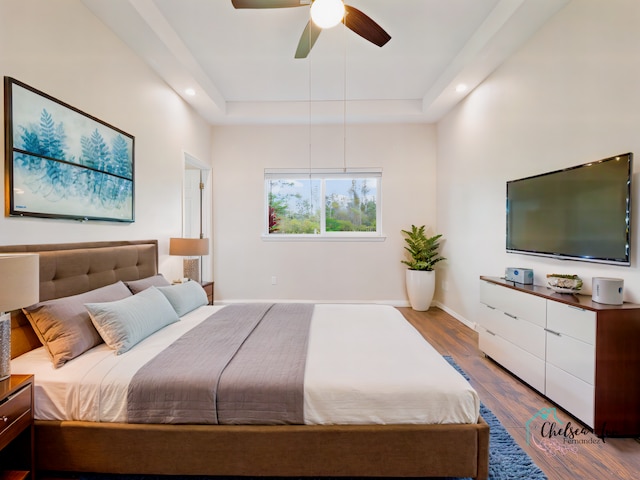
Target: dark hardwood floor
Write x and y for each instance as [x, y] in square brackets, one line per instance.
[514, 403]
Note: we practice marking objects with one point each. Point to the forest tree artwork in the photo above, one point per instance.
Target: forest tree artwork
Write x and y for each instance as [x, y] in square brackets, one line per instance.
[63, 163]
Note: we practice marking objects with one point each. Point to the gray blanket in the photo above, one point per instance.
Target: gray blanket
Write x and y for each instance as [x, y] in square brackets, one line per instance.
[243, 365]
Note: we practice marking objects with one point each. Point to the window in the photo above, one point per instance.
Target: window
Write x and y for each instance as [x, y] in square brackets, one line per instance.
[322, 203]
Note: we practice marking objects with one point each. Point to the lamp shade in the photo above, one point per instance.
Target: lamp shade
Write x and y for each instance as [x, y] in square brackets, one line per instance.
[188, 247]
[19, 280]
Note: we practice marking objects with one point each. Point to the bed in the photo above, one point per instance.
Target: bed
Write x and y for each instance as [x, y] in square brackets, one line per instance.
[326, 444]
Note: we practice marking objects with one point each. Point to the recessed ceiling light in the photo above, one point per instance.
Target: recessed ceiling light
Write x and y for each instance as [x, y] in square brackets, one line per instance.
[190, 91]
[461, 87]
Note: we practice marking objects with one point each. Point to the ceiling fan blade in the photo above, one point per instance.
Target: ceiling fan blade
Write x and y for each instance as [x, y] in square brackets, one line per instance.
[266, 3]
[361, 24]
[307, 39]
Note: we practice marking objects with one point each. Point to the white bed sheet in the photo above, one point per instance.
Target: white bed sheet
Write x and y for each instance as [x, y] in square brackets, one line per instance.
[366, 365]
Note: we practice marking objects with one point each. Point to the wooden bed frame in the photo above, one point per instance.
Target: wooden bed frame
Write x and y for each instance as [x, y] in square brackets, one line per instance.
[290, 450]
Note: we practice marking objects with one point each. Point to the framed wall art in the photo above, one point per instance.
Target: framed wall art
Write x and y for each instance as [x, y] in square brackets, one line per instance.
[63, 163]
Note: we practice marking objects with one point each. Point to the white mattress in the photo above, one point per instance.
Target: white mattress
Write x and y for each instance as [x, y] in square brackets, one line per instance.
[366, 365]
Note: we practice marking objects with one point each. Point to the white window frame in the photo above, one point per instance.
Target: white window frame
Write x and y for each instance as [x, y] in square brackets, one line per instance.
[322, 174]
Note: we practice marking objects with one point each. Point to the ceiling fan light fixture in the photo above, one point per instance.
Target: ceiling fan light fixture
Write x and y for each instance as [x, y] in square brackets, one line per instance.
[327, 13]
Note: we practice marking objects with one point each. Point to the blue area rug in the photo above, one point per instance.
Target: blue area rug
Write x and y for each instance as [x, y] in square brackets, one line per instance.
[507, 460]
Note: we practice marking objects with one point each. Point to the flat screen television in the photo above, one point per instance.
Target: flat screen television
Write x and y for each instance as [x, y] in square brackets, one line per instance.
[579, 213]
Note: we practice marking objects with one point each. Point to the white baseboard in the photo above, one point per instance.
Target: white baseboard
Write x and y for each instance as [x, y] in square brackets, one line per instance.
[460, 318]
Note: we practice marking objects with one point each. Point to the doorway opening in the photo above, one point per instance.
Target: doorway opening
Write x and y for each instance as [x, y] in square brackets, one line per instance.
[196, 206]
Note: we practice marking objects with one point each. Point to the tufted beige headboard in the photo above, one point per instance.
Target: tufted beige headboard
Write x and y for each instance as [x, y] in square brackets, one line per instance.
[72, 268]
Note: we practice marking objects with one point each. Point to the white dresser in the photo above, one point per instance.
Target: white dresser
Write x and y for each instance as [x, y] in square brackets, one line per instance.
[582, 355]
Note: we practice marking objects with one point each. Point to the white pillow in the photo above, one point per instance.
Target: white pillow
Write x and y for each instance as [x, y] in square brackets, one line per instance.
[124, 323]
[185, 297]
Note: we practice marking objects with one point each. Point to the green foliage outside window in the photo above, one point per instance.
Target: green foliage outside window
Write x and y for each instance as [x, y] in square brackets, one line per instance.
[294, 205]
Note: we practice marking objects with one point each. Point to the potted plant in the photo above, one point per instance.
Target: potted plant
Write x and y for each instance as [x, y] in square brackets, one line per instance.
[420, 277]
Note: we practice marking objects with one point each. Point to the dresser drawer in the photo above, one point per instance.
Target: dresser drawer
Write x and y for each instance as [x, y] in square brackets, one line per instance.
[571, 393]
[520, 362]
[526, 335]
[15, 411]
[572, 355]
[518, 304]
[572, 321]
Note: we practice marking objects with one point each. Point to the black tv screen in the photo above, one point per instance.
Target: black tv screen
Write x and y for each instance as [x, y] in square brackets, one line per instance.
[580, 213]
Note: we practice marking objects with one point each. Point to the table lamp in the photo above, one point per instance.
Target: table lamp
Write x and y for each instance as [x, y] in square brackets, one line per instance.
[19, 287]
[190, 247]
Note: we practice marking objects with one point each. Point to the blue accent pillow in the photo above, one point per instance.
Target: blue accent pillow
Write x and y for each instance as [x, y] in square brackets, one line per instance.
[124, 323]
[185, 297]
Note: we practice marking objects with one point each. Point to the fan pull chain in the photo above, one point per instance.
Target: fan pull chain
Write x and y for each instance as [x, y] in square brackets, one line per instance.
[344, 106]
[309, 126]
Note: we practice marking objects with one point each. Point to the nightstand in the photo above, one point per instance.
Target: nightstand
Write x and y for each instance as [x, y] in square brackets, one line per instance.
[17, 460]
[208, 288]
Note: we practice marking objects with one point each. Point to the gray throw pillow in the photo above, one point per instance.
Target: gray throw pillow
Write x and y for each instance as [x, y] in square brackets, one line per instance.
[136, 286]
[63, 325]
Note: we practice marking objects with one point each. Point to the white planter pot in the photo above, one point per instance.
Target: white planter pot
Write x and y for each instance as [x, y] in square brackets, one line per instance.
[421, 285]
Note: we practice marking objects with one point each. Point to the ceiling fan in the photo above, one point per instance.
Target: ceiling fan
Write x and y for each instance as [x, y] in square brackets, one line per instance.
[353, 19]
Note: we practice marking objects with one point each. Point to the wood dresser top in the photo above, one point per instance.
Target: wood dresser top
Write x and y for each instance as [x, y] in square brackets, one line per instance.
[576, 300]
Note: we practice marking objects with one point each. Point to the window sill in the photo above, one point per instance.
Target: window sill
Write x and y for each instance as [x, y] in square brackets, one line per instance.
[323, 238]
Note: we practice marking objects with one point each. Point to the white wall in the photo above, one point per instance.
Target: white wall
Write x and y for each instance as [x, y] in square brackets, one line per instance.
[569, 96]
[320, 271]
[62, 49]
